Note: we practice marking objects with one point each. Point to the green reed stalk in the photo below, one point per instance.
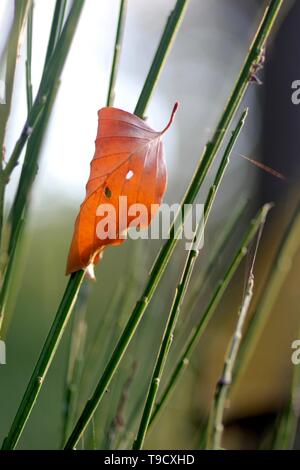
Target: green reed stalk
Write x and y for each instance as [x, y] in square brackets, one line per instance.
[280, 269]
[34, 128]
[21, 10]
[44, 361]
[117, 53]
[161, 54]
[28, 59]
[285, 254]
[216, 417]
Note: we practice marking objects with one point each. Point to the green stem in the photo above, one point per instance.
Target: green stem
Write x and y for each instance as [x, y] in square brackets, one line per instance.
[56, 28]
[199, 329]
[35, 128]
[216, 417]
[38, 376]
[193, 189]
[181, 291]
[16, 219]
[284, 256]
[32, 120]
[117, 53]
[216, 426]
[75, 358]
[51, 73]
[160, 57]
[28, 59]
[11, 51]
[216, 253]
[21, 10]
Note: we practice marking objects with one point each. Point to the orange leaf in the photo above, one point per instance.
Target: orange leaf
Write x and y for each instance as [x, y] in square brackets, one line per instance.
[129, 162]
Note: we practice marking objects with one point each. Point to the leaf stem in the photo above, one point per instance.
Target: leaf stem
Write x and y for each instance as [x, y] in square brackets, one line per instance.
[193, 189]
[181, 291]
[117, 53]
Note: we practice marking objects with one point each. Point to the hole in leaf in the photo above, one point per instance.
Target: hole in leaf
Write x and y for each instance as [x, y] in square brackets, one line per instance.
[107, 192]
[129, 175]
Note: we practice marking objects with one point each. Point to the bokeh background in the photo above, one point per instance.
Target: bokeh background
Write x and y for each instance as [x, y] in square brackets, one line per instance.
[199, 73]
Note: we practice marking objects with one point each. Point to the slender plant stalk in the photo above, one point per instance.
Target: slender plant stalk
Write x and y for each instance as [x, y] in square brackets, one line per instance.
[20, 15]
[45, 95]
[161, 54]
[44, 361]
[117, 53]
[49, 81]
[28, 59]
[253, 57]
[56, 28]
[11, 51]
[49, 75]
[287, 250]
[216, 252]
[33, 149]
[53, 69]
[199, 329]
[216, 426]
[4, 176]
[222, 389]
[35, 127]
[289, 245]
[181, 291]
[75, 358]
